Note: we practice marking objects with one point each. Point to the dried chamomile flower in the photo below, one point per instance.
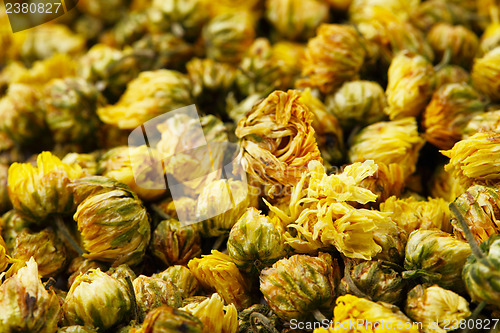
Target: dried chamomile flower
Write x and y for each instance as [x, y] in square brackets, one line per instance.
[163, 50]
[376, 280]
[215, 316]
[254, 242]
[5, 204]
[278, 140]
[436, 257]
[410, 86]
[182, 278]
[231, 197]
[175, 243]
[485, 72]
[152, 292]
[227, 36]
[300, 286]
[295, 19]
[108, 11]
[333, 56]
[476, 158]
[412, 214]
[389, 180]
[288, 57]
[39, 191]
[131, 166]
[449, 110]
[26, 305]
[151, 94]
[396, 141]
[113, 223]
[329, 134]
[481, 272]
[48, 40]
[187, 17]
[211, 81]
[217, 272]
[45, 247]
[22, 114]
[480, 206]
[110, 69]
[70, 110]
[482, 122]
[429, 13]
[434, 304]
[456, 42]
[88, 162]
[357, 103]
[352, 309]
[166, 319]
[97, 300]
[79, 266]
[451, 74]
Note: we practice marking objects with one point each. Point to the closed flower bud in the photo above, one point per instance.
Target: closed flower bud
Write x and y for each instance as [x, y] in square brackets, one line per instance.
[170, 209]
[357, 102]
[362, 10]
[91, 294]
[334, 56]
[45, 247]
[166, 319]
[378, 280]
[451, 107]
[482, 122]
[475, 159]
[396, 141]
[412, 214]
[151, 94]
[121, 272]
[481, 274]
[71, 106]
[187, 16]
[389, 180]
[479, 205]
[451, 74]
[210, 82]
[485, 72]
[410, 86]
[22, 114]
[444, 185]
[79, 266]
[113, 223]
[182, 278]
[151, 293]
[227, 36]
[88, 162]
[109, 68]
[352, 309]
[296, 20]
[215, 316]
[461, 43]
[297, 287]
[217, 272]
[490, 38]
[164, 50]
[130, 166]
[436, 257]
[282, 118]
[175, 243]
[434, 304]
[433, 12]
[39, 191]
[26, 305]
[254, 242]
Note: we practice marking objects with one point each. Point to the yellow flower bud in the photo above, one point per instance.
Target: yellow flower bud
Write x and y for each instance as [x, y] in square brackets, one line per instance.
[485, 72]
[182, 278]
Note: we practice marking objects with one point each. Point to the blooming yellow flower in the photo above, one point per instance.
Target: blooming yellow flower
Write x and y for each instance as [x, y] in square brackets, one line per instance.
[39, 191]
[217, 272]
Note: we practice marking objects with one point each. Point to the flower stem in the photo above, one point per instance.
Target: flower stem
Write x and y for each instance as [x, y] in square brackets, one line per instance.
[67, 234]
[476, 250]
